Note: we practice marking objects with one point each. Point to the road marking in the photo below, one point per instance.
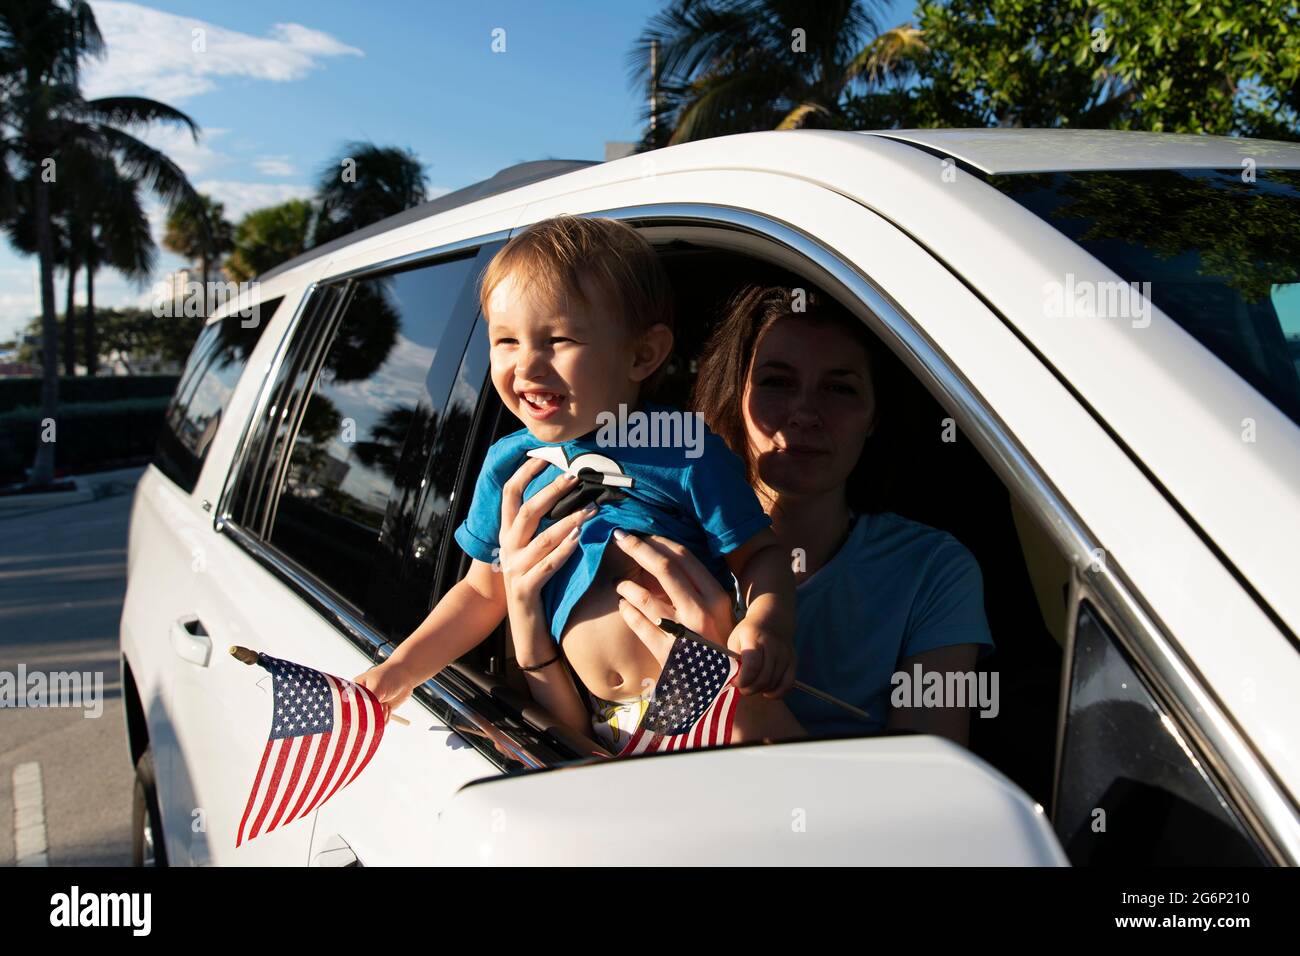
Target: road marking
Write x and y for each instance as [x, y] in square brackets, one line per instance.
[30, 846]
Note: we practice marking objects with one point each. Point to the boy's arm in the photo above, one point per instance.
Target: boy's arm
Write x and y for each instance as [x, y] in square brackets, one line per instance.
[767, 585]
[552, 687]
[463, 618]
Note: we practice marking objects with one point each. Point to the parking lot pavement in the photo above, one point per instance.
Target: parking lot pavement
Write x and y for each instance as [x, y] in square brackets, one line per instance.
[64, 776]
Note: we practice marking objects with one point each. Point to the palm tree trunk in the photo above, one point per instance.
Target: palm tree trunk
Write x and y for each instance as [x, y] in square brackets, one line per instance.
[92, 346]
[70, 323]
[43, 464]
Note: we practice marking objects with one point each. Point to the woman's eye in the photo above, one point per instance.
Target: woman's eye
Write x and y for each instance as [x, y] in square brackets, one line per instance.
[842, 389]
[776, 381]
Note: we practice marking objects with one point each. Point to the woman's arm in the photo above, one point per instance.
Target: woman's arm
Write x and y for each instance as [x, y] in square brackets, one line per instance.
[950, 722]
[527, 563]
[764, 638]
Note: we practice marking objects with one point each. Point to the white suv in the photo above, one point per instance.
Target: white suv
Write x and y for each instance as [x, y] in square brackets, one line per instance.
[1107, 324]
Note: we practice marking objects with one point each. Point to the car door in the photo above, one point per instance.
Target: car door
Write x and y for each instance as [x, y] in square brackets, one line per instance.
[1099, 510]
[162, 637]
[463, 724]
[309, 539]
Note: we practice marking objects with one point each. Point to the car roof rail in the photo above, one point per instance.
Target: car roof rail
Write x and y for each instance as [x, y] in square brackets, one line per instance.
[512, 177]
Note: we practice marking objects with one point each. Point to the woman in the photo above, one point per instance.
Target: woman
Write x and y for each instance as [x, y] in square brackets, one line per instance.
[793, 393]
[787, 381]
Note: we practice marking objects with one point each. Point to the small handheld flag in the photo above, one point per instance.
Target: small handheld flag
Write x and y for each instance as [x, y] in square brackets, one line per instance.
[694, 702]
[324, 730]
[681, 630]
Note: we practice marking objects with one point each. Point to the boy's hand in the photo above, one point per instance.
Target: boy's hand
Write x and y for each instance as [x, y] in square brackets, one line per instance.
[387, 682]
[767, 658]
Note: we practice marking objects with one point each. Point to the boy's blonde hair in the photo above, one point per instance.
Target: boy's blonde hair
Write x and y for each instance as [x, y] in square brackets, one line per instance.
[553, 258]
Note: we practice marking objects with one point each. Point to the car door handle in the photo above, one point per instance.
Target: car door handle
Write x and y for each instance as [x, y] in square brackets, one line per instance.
[190, 641]
[335, 852]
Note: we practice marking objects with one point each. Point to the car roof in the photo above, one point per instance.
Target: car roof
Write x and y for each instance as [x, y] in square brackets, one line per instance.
[997, 151]
[975, 230]
[512, 177]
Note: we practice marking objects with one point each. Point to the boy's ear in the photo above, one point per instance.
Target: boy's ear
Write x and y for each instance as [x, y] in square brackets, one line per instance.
[651, 351]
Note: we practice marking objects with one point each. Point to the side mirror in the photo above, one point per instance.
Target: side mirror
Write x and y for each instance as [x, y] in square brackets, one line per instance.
[896, 800]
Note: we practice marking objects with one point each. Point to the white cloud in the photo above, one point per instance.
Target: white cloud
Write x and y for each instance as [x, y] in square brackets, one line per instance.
[194, 159]
[241, 198]
[274, 165]
[152, 53]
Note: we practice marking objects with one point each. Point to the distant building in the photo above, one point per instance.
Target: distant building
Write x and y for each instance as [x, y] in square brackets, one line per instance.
[615, 150]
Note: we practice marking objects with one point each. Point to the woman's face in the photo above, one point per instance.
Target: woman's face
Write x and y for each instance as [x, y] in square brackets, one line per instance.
[808, 405]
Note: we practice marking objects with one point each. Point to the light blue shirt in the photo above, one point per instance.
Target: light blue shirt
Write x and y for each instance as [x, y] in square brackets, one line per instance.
[895, 588]
[704, 503]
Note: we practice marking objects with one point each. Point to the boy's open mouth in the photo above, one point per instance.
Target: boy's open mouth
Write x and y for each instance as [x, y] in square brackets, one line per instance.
[541, 405]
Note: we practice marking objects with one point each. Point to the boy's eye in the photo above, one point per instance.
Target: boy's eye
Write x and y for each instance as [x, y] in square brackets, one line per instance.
[506, 341]
[559, 338]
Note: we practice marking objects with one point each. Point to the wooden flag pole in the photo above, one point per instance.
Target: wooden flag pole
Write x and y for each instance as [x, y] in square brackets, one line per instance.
[681, 630]
[249, 656]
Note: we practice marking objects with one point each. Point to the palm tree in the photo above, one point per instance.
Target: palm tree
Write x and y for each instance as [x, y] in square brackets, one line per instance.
[736, 66]
[201, 234]
[68, 219]
[117, 236]
[364, 184]
[267, 237]
[44, 119]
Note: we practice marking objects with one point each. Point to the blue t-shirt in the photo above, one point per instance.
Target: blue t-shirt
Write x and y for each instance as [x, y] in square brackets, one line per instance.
[895, 588]
[704, 503]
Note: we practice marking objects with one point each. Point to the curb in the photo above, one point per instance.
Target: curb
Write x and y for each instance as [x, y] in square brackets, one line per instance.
[89, 488]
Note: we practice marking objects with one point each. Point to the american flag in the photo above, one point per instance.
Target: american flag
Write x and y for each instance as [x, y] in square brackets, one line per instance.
[694, 702]
[323, 733]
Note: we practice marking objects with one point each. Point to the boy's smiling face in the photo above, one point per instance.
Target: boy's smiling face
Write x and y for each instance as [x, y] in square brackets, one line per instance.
[556, 370]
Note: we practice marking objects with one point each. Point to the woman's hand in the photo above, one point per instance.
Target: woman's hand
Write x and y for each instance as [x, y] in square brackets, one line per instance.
[675, 585]
[527, 562]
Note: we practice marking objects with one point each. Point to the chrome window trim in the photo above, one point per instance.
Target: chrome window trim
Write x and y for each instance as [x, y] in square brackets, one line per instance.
[417, 258]
[1081, 591]
[1257, 794]
[238, 459]
[368, 641]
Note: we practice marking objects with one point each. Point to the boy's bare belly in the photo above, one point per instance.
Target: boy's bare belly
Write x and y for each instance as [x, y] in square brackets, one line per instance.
[611, 660]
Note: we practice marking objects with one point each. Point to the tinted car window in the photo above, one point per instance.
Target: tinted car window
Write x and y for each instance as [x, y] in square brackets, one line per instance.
[217, 360]
[1220, 249]
[1132, 792]
[369, 394]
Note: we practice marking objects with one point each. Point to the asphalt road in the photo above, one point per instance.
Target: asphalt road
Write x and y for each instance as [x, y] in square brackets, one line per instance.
[62, 581]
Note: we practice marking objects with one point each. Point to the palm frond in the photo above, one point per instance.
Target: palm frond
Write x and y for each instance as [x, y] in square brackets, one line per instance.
[132, 112]
[891, 53]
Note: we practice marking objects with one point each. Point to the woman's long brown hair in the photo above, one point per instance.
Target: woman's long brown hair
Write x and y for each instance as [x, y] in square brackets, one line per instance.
[724, 365]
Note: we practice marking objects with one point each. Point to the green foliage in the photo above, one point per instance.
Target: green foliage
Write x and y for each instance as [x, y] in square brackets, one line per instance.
[1158, 65]
[88, 435]
[133, 333]
[267, 237]
[17, 392]
[362, 185]
[200, 233]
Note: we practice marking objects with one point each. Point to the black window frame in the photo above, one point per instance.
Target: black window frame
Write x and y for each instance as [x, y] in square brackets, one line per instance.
[1153, 728]
[247, 505]
[178, 463]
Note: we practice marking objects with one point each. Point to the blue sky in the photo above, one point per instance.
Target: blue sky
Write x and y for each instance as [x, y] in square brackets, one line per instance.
[280, 85]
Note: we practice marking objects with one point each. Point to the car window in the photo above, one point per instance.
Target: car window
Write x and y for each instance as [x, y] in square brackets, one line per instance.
[1132, 792]
[211, 373]
[373, 388]
[1220, 250]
